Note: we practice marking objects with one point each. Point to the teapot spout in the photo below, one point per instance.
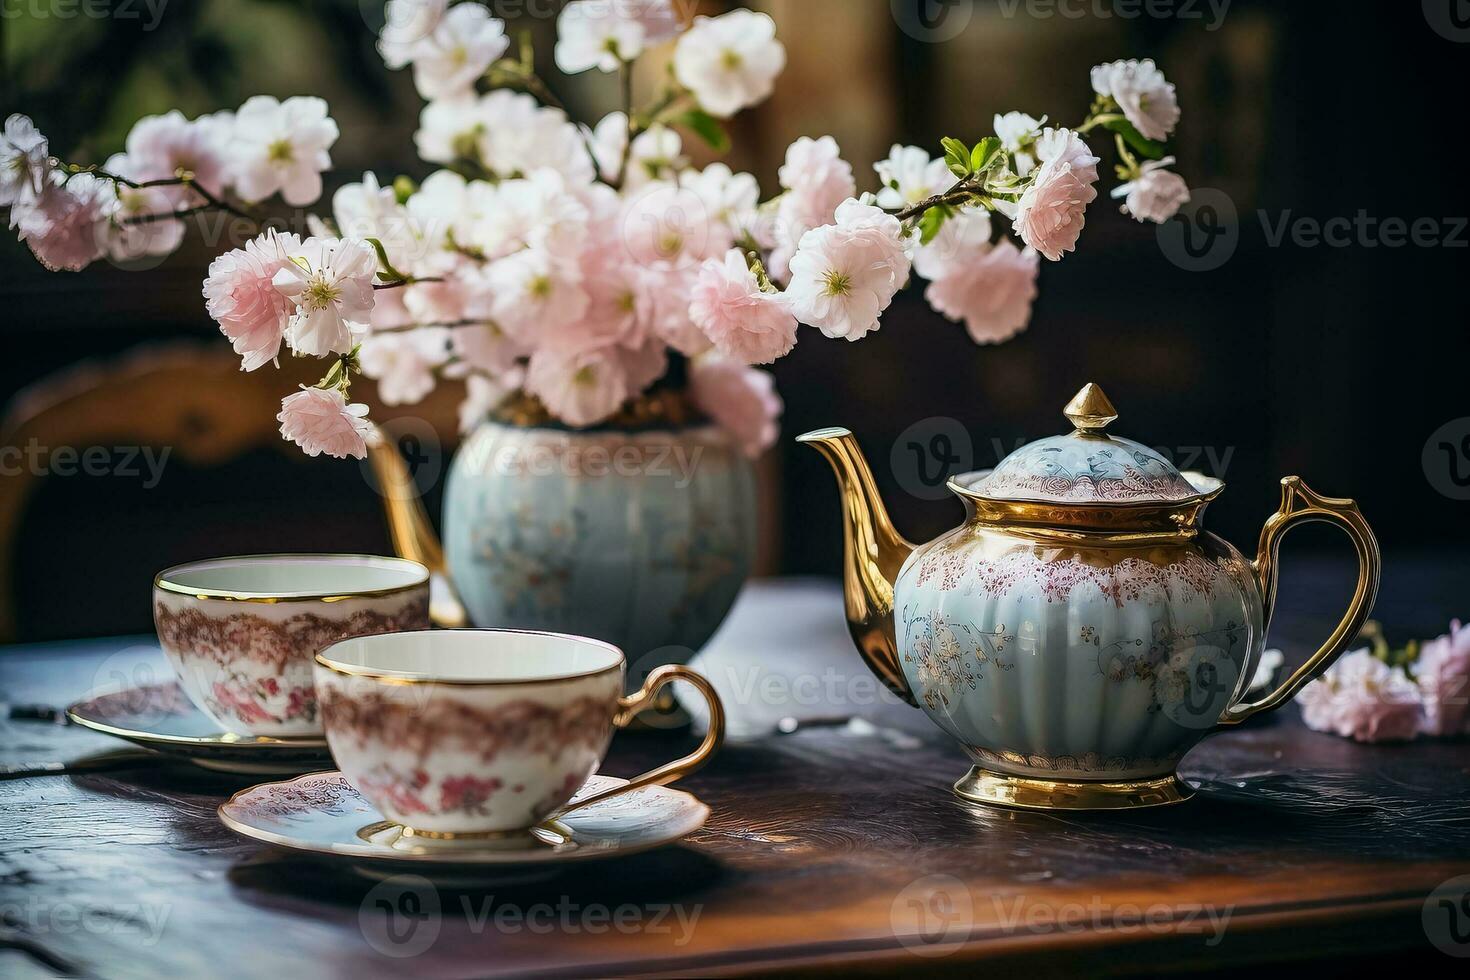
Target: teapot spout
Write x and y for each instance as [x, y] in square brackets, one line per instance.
[412, 533]
[873, 554]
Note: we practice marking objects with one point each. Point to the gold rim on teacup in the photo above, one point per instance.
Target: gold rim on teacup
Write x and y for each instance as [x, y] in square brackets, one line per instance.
[387, 676]
[165, 580]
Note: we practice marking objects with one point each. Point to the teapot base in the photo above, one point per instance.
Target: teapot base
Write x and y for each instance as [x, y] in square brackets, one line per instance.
[1025, 793]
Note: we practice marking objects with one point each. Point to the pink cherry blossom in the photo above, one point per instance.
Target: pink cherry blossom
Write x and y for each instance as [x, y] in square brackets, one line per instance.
[741, 399]
[581, 388]
[1443, 673]
[241, 295]
[483, 394]
[1155, 194]
[1050, 215]
[127, 240]
[643, 364]
[485, 347]
[535, 291]
[1361, 697]
[668, 226]
[331, 281]
[817, 180]
[844, 276]
[992, 292]
[745, 323]
[160, 146]
[68, 226]
[403, 362]
[671, 290]
[320, 421]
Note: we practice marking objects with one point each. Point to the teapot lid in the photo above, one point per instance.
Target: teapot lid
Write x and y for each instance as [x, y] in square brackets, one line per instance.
[1087, 465]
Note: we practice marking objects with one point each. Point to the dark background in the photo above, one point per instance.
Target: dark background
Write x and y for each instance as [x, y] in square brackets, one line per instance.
[1334, 362]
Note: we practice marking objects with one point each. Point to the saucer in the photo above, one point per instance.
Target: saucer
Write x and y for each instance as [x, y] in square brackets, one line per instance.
[322, 816]
[161, 717]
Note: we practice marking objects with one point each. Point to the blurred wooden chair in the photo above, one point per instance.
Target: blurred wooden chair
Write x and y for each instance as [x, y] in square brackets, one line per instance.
[189, 398]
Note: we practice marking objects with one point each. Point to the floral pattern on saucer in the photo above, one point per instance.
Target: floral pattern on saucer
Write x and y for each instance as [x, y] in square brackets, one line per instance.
[163, 718]
[323, 815]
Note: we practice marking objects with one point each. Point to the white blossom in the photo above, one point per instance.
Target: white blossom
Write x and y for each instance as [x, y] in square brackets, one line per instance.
[910, 176]
[331, 282]
[1141, 91]
[282, 146]
[730, 62]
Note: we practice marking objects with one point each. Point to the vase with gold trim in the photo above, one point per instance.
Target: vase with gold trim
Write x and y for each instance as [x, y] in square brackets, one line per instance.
[1081, 630]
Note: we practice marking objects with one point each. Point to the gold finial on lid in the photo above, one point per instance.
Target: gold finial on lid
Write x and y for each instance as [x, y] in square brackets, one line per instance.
[1090, 411]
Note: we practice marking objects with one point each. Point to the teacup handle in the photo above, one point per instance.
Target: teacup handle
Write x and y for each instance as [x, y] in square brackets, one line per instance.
[628, 709]
[1300, 505]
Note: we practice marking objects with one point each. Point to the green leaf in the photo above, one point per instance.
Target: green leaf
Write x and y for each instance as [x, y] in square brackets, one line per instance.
[957, 156]
[985, 153]
[386, 270]
[707, 128]
[932, 222]
[1145, 147]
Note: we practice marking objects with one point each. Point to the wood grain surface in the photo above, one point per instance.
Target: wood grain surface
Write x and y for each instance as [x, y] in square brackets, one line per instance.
[833, 849]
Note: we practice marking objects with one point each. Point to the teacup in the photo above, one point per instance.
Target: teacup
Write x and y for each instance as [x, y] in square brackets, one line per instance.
[241, 632]
[474, 733]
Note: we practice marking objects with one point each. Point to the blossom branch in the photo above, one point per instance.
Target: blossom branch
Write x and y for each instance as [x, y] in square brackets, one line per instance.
[406, 281]
[182, 178]
[447, 324]
[627, 80]
[964, 192]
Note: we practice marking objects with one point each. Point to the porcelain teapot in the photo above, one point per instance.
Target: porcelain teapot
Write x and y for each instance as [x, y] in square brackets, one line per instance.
[1080, 631]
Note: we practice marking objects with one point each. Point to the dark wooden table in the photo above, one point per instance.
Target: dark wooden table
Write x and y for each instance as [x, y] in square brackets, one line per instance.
[838, 847]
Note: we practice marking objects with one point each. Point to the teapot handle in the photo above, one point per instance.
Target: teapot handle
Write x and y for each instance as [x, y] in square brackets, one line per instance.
[1300, 505]
[412, 533]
